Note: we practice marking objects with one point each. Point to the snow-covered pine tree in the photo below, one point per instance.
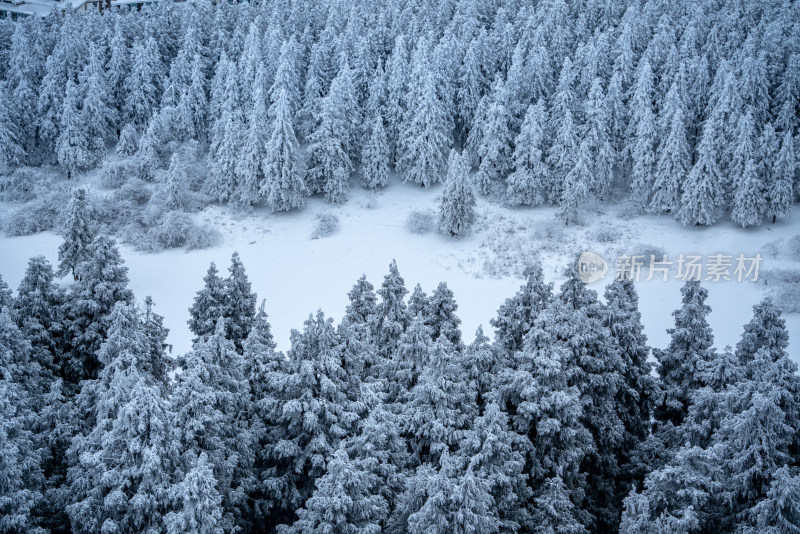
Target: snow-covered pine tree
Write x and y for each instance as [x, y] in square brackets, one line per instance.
[99, 112]
[516, 315]
[457, 208]
[239, 303]
[78, 234]
[493, 452]
[779, 191]
[208, 402]
[346, 498]
[284, 168]
[128, 453]
[143, 83]
[12, 152]
[528, 184]
[225, 134]
[397, 74]
[330, 143]
[72, 145]
[392, 316]
[576, 186]
[702, 196]
[21, 477]
[128, 142]
[424, 138]
[314, 408]
[554, 511]
[199, 507]
[102, 283]
[192, 107]
[441, 315]
[642, 136]
[675, 154]
[38, 311]
[495, 149]
[598, 136]
[440, 407]
[209, 305]
[561, 157]
[690, 346]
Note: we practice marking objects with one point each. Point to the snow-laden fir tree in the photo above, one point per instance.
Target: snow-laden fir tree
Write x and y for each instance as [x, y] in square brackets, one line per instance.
[528, 184]
[239, 303]
[495, 149]
[516, 315]
[330, 145]
[225, 135]
[561, 156]
[554, 511]
[128, 142]
[192, 108]
[21, 477]
[143, 83]
[314, 408]
[120, 470]
[250, 176]
[102, 283]
[98, 108]
[72, 145]
[598, 136]
[779, 190]
[702, 196]
[675, 155]
[208, 306]
[642, 136]
[376, 151]
[284, 168]
[749, 204]
[457, 208]
[208, 401]
[424, 139]
[117, 66]
[199, 507]
[472, 82]
[78, 234]
[346, 499]
[12, 152]
[392, 316]
[691, 344]
[38, 310]
[440, 407]
[576, 185]
[441, 315]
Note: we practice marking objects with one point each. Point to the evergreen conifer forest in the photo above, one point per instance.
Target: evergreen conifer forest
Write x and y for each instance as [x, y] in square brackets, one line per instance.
[121, 125]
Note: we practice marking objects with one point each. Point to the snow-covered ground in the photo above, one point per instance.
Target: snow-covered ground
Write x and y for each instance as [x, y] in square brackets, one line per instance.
[297, 275]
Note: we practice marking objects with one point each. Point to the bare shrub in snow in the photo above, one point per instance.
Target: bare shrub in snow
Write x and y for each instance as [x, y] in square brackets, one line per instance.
[773, 248]
[793, 247]
[421, 221]
[646, 250]
[325, 225]
[136, 191]
[784, 287]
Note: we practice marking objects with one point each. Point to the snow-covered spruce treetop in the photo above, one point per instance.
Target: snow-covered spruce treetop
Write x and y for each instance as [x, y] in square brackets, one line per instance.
[691, 110]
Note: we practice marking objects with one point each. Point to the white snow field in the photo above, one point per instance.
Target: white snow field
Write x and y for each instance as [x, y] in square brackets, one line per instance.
[298, 275]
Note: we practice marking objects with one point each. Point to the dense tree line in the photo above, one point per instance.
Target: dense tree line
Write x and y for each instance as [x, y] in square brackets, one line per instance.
[389, 421]
[692, 106]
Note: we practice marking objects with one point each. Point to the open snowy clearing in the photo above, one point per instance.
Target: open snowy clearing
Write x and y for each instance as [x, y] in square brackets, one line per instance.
[298, 275]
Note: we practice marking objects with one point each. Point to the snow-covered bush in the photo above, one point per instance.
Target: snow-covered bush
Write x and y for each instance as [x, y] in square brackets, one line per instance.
[20, 185]
[606, 233]
[325, 225]
[646, 250]
[171, 230]
[116, 172]
[38, 216]
[135, 191]
[421, 221]
[784, 287]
